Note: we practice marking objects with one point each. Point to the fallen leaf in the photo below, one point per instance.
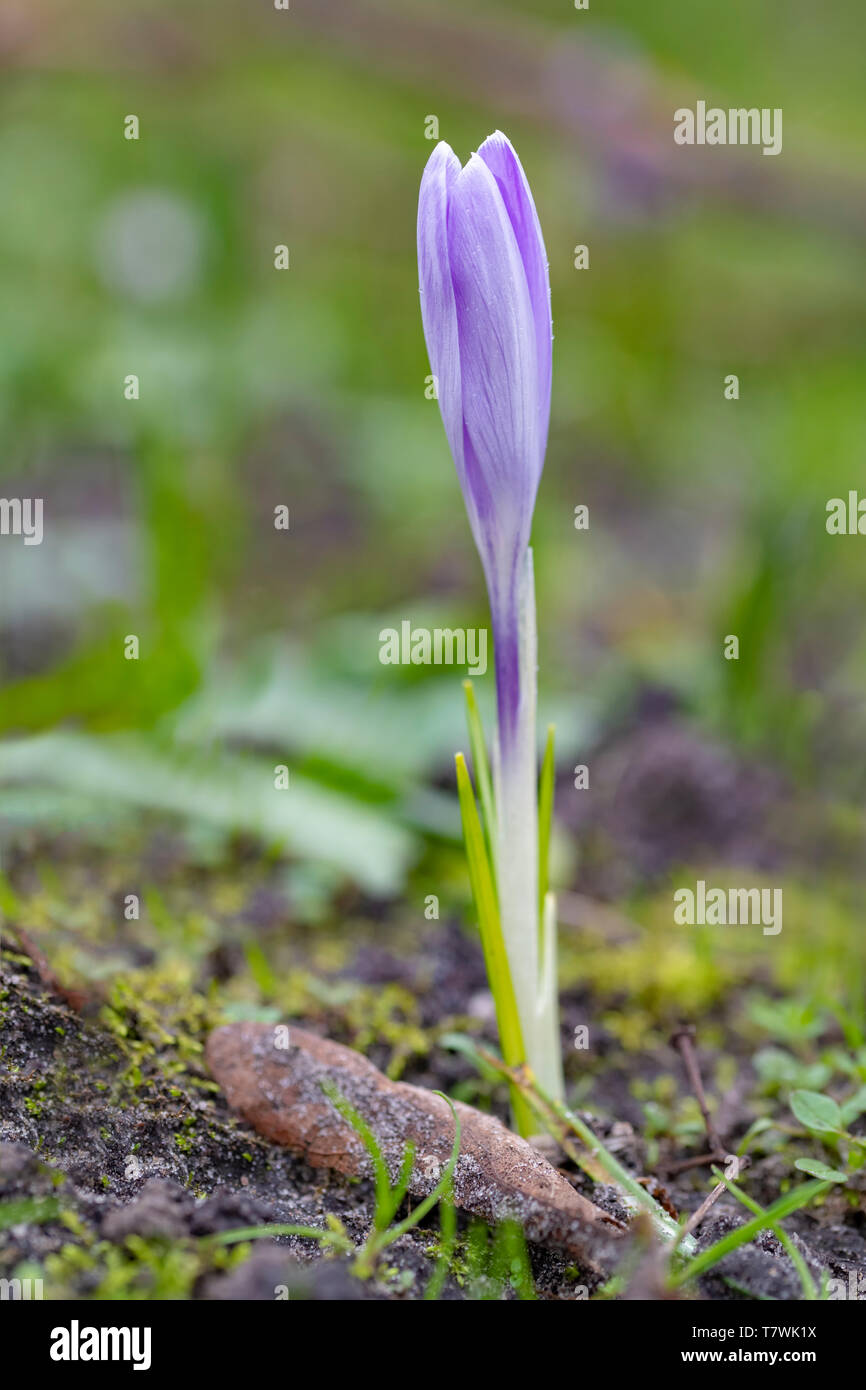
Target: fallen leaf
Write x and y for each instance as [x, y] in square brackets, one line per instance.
[277, 1089]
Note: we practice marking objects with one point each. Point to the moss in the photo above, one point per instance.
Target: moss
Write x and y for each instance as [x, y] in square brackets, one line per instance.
[125, 1079]
[136, 1268]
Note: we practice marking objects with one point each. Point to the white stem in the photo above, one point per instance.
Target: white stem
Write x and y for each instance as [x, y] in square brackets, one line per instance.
[517, 798]
[548, 1060]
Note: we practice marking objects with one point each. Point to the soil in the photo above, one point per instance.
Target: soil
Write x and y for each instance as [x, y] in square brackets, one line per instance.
[138, 1183]
[120, 1159]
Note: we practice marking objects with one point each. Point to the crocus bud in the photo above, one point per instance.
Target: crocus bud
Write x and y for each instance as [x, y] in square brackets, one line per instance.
[485, 304]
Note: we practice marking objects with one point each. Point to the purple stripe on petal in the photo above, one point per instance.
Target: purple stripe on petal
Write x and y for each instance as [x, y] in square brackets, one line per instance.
[499, 155]
[438, 309]
[496, 337]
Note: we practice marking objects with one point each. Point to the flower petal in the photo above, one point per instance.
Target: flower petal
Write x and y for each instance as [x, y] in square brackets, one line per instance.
[498, 365]
[501, 159]
[438, 309]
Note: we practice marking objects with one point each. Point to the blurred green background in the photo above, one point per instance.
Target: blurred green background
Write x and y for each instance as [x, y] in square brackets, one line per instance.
[305, 388]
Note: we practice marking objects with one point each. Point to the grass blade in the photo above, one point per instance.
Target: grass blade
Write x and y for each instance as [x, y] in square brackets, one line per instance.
[240, 1235]
[808, 1283]
[492, 941]
[441, 1190]
[383, 1212]
[785, 1206]
[483, 892]
[545, 820]
[484, 781]
[401, 1187]
[447, 1242]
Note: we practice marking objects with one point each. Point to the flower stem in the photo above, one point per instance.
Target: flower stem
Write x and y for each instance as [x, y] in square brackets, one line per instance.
[516, 795]
[548, 1061]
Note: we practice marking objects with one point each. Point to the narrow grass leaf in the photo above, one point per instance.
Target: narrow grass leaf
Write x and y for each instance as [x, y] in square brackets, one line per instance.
[545, 819]
[810, 1292]
[791, 1202]
[484, 781]
[442, 1188]
[483, 892]
[382, 1178]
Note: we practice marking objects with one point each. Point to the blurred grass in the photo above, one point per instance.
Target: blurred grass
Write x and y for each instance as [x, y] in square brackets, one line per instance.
[306, 388]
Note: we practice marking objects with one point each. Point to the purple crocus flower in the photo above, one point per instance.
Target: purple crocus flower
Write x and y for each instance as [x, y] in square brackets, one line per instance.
[485, 304]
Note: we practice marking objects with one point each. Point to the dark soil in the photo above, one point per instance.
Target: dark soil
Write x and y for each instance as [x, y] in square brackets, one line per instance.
[120, 1160]
[141, 1168]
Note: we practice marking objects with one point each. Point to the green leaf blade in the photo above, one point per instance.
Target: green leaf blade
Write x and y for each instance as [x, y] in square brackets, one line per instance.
[481, 764]
[492, 940]
[545, 819]
[816, 1169]
[816, 1111]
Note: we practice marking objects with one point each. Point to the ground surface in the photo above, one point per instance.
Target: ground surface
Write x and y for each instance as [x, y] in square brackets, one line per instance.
[120, 1159]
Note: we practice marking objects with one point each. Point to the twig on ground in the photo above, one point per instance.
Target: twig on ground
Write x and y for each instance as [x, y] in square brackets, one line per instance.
[684, 1042]
[75, 998]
